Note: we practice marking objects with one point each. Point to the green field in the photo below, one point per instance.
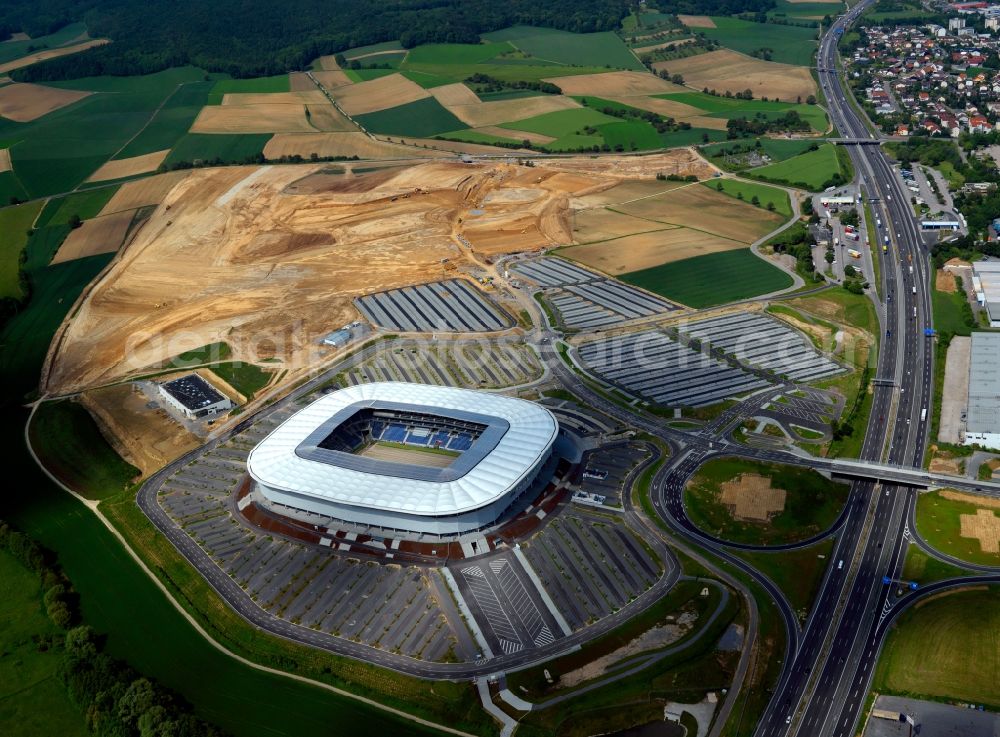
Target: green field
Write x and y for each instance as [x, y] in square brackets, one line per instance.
[803, 11]
[10, 50]
[473, 136]
[731, 107]
[951, 312]
[749, 190]
[812, 502]
[712, 279]
[811, 170]
[365, 75]
[945, 649]
[33, 700]
[86, 205]
[172, 122]
[456, 54]
[562, 123]
[421, 119]
[372, 49]
[426, 80]
[939, 523]
[10, 187]
[548, 45]
[245, 378]
[632, 135]
[58, 151]
[277, 83]
[778, 149]
[226, 147]
[798, 573]
[14, 224]
[788, 44]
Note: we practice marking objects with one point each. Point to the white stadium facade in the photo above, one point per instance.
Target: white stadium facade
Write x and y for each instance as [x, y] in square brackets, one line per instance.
[407, 458]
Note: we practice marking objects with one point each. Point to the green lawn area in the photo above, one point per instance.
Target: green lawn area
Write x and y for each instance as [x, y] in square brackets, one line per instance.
[789, 44]
[631, 135]
[562, 123]
[60, 150]
[712, 279]
[736, 187]
[812, 502]
[946, 649]
[456, 54]
[798, 573]
[811, 170]
[172, 122]
[33, 700]
[420, 119]
[939, 523]
[950, 312]
[277, 83]
[69, 443]
[14, 225]
[245, 378]
[731, 107]
[547, 45]
[226, 147]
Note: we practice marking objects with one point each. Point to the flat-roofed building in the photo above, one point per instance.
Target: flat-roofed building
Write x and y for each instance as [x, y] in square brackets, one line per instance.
[194, 397]
[986, 281]
[982, 425]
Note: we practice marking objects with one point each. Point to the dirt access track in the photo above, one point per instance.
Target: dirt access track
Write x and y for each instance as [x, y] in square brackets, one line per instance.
[269, 258]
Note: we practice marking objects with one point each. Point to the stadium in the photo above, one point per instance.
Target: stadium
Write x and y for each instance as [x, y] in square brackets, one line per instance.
[408, 458]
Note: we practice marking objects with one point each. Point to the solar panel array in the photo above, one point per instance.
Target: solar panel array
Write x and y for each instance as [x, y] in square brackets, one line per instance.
[651, 365]
[446, 306]
[763, 342]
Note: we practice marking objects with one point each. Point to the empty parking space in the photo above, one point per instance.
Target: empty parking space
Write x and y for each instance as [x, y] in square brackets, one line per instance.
[762, 342]
[652, 365]
[447, 306]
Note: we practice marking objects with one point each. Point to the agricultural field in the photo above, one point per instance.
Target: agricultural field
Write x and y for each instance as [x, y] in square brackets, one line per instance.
[556, 47]
[761, 503]
[23, 103]
[964, 526]
[17, 48]
[805, 10]
[811, 170]
[226, 147]
[171, 123]
[714, 279]
[421, 119]
[727, 108]
[124, 168]
[725, 69]
[104, 234]
[33, 700]
[14, 224]
[733, 155]
[746, 191]
[223, 87]
[788, 44]
[945, 648]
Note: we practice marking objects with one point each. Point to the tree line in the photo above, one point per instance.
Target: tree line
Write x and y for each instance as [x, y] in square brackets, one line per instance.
[249, 38]
[114, 699]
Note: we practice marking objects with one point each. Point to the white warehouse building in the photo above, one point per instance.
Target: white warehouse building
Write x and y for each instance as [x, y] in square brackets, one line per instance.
[407, 458]
[982, 426]
[986, 283]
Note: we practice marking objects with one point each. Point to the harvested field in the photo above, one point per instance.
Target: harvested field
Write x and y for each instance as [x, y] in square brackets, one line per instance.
[328, 63]
[239, 257]
[979, 501]
[121, 168]
[103, 234]
[944, 281]
[619, 84]
[281, 112]
[669, 108]
[947, 464]
[38, 56]
[341, 144]
[696, 21]
[378, 94]
[306, 97]
[148, 439]
[332, 80]
[300, 82]
[983, 526]
[680, 161]
[728, 70]
[5, 160]
[144, 192]
[598, 224]
[504, 111]
[495, 130]
[703, 209]
[751, 497]
[646, 250]
[628, 191]
[23, 102]
[455, 94]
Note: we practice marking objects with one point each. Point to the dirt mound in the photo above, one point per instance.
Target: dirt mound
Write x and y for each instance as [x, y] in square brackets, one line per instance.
[752, 497]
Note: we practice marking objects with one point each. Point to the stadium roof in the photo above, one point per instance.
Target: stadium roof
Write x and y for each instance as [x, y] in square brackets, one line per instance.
[279, 462]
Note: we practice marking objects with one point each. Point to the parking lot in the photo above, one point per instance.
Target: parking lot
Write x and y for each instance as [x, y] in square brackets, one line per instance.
[590, 564]
[933, 719]
[763, 342]
[652, 365]
[447, 306]
[475, 364]
[603, 471]
[397, 608]
[585, 299]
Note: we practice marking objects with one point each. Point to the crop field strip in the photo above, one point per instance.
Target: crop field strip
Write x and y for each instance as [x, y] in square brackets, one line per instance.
[384, 606]
[478, 364]
[652, 365]
[763, 342]
[448, 306]
[586, 299]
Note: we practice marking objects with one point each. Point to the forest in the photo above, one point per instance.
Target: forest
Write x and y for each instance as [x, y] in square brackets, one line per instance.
[247, 38]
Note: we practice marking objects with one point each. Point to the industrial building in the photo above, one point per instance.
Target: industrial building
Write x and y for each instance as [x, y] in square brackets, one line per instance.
[986, 283]
[982, 426]
[407, 458]
[194, 397]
